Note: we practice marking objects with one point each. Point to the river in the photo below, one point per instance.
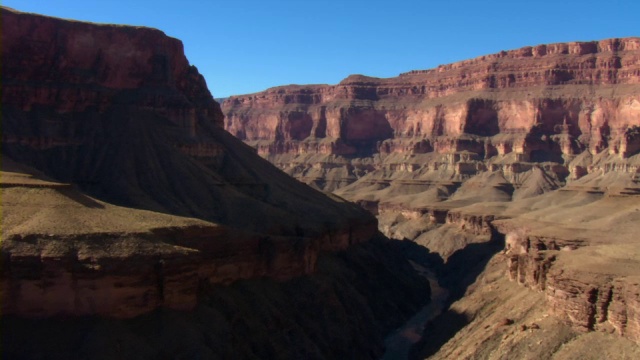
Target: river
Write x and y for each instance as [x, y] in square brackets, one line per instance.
[399, 342]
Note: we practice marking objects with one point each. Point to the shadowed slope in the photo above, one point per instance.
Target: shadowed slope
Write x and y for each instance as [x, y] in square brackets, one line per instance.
[118, 114]
[139, 128]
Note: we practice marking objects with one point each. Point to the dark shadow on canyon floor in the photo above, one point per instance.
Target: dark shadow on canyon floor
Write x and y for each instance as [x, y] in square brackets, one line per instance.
[462, 267]
[456, 275]
[341, 311]
[438, 332]
[465, 265]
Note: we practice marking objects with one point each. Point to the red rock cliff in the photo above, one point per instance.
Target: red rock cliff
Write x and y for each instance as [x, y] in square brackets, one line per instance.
[118, 112]
[73, 66]
[535, 102]
[439, 154]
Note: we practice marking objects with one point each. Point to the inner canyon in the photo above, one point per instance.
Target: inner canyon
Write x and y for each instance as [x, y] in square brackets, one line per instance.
[535, 148]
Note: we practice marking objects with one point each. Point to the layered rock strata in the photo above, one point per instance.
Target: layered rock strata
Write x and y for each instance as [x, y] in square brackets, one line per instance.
[95, 109]
[550, 107]
[341, 311]
[577, 246]
[589, 283]
[65, 253]
[533, 102]
[458, 155]
[122, 192]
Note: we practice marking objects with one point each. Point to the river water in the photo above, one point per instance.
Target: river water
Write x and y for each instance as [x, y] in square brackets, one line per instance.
[399, 342]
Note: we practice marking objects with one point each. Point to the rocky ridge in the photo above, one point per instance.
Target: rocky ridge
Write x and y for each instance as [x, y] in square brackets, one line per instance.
[464, 138]
[135, 227]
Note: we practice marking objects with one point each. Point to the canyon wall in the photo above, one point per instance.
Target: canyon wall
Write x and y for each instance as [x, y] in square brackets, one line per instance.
[119, 112]
[575, 247]
[122, 193]
[589, 279]
[343, 310]
[538, 146]
[548, 103]
[548, 89]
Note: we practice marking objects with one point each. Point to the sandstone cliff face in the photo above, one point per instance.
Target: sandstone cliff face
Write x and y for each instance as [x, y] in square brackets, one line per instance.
[81, 277]
[589, 280]
[100, 62]
[547, 103]
[116, 115]
[400, 106]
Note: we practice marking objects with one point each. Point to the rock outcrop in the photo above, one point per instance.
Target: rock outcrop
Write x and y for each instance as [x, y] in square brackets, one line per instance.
[577, 246]
[67, 253]
[585, 265]
[499, 319]
[343, 310]
[122, 192]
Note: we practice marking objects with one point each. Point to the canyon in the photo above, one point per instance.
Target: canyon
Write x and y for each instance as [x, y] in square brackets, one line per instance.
[134, 226]
[141, 219]
[535, 151]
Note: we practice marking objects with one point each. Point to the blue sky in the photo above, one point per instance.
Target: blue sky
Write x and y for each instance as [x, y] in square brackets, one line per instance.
[244, 46]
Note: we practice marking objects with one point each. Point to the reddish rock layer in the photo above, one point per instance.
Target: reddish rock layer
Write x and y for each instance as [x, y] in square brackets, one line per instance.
[585, 266]
[586, 298]
[118, 112]
[539, 102]
[439, 155]
[124, 275]
[73, 66]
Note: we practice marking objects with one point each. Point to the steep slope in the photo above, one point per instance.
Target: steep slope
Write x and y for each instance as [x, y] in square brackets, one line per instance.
[134, 226]
[67, 253]
[120, 112]
[497, 319]
[84, 278]
[497, 128]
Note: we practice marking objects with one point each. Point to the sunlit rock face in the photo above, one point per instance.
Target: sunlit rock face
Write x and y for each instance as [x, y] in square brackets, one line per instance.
[548, 103]
[538, 146]
[520, 122]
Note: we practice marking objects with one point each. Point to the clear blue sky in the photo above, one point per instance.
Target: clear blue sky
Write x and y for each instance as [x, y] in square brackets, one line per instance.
[244, 46]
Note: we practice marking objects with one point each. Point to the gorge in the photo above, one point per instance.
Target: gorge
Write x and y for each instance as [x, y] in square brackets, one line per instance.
[536, 148]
